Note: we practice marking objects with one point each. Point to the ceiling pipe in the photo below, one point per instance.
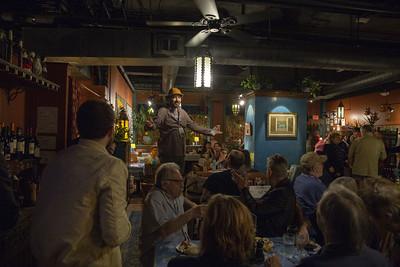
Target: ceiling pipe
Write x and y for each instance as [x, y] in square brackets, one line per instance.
[360, 83]
[346, 7]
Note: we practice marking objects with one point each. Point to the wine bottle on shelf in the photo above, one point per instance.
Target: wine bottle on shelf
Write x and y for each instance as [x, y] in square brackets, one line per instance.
[37, 146]
[26, 64]
[13, 142]
[3, 45]
[20, 53]
[10, 46]
[44, 69]
[20, 144]
[37, 66]
[7, 148]
[31, 144]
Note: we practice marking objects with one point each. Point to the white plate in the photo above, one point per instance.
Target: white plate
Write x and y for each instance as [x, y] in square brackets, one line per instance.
[257, 191]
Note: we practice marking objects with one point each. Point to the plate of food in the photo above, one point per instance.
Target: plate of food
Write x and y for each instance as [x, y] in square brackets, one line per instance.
[268, 244]
[188, 248]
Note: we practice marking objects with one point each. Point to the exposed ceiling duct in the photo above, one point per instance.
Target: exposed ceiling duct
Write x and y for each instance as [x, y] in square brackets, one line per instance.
[89, 47]
[360, 83]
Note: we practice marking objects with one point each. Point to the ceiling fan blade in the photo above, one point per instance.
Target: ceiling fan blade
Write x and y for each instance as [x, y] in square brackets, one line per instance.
[241, 36]
[171, 23]
[198, 38]
[208, 8]
[251, 18]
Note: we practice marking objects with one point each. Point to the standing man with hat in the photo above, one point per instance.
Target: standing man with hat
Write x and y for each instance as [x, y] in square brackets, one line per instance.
[171, 122]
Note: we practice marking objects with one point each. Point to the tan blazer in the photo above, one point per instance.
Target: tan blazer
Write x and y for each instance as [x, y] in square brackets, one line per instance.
[80, 217]
[364, 155]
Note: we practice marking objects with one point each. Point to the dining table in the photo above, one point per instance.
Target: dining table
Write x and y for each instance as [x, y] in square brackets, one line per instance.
[289, 256]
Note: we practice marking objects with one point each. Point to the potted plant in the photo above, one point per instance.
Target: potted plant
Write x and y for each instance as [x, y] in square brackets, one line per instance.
[371, 117]
[251, 83]
[311, 86]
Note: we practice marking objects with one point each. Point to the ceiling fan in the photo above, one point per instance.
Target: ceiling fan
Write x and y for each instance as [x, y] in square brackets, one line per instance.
[212, 23]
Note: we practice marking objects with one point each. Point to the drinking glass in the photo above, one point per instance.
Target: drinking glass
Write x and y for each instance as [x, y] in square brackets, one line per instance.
[289, 241]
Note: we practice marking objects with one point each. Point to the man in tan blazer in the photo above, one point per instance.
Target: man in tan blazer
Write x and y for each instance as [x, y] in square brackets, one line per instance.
[365, 153]
[80, 217]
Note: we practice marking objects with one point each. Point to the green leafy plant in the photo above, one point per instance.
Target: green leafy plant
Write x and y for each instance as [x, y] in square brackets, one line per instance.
[371, 117]
[311, 86]
[251, 83]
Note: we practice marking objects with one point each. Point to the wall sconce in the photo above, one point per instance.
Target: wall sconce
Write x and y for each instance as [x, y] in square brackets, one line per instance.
[242, 101]
[202, 70]
[196, 140]
[123, 122]
[340, 113]
[235, 109]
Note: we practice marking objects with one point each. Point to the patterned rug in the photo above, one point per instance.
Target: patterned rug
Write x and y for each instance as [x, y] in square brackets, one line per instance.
[130, 249]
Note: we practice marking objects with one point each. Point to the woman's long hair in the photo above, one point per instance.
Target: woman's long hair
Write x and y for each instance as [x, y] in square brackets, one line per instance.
[228, 230]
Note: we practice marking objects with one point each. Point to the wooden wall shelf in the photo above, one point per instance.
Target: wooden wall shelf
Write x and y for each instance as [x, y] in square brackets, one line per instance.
[14, 77]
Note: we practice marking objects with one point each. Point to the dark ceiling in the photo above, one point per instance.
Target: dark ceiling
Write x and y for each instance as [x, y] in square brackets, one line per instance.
[347, 45]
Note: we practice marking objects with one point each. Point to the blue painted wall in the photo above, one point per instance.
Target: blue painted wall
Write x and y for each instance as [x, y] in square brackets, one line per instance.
[291, 149]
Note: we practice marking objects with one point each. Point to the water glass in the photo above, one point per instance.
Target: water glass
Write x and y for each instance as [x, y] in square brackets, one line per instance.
[289, 242]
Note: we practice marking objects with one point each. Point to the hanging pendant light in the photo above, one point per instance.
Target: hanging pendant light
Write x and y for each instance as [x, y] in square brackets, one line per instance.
[123, 123]
[235, 109]
[202, 70]
[340, 113]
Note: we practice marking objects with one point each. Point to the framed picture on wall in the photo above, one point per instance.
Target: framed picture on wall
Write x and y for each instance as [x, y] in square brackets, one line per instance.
[247, 129]
[281, 125]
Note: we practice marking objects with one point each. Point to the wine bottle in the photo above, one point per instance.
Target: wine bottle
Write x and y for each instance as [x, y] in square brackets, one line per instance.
[37, 146]
[13, 142]
[7, 147]
[20, 144]
[20, 53]
[10, 46]
[31, 144]
[3, 45]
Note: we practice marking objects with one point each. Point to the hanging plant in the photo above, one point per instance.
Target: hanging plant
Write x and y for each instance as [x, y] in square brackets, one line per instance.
[311, 86]
[251, 83]
[371, 117]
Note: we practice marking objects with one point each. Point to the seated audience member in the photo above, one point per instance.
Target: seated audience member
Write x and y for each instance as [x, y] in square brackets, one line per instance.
[341, 216]
[227, 236]
[8, 204]
[309, 188]
[382, 199]
[276, 210]
[164, 217]
[222, 182]
[307, 185]
[207, 151]
[348, 182]
[221, 163]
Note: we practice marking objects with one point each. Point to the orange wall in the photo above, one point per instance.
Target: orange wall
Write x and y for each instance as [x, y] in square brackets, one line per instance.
[13, 111]
[355, 107]
[313, 108]
[119, 86]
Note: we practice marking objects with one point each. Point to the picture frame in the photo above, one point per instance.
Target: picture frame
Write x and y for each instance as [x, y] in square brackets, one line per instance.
[281, 125]
[247, 129]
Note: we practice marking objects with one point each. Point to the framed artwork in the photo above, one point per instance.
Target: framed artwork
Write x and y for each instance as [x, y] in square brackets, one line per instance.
[281, 125]
[247, 129]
